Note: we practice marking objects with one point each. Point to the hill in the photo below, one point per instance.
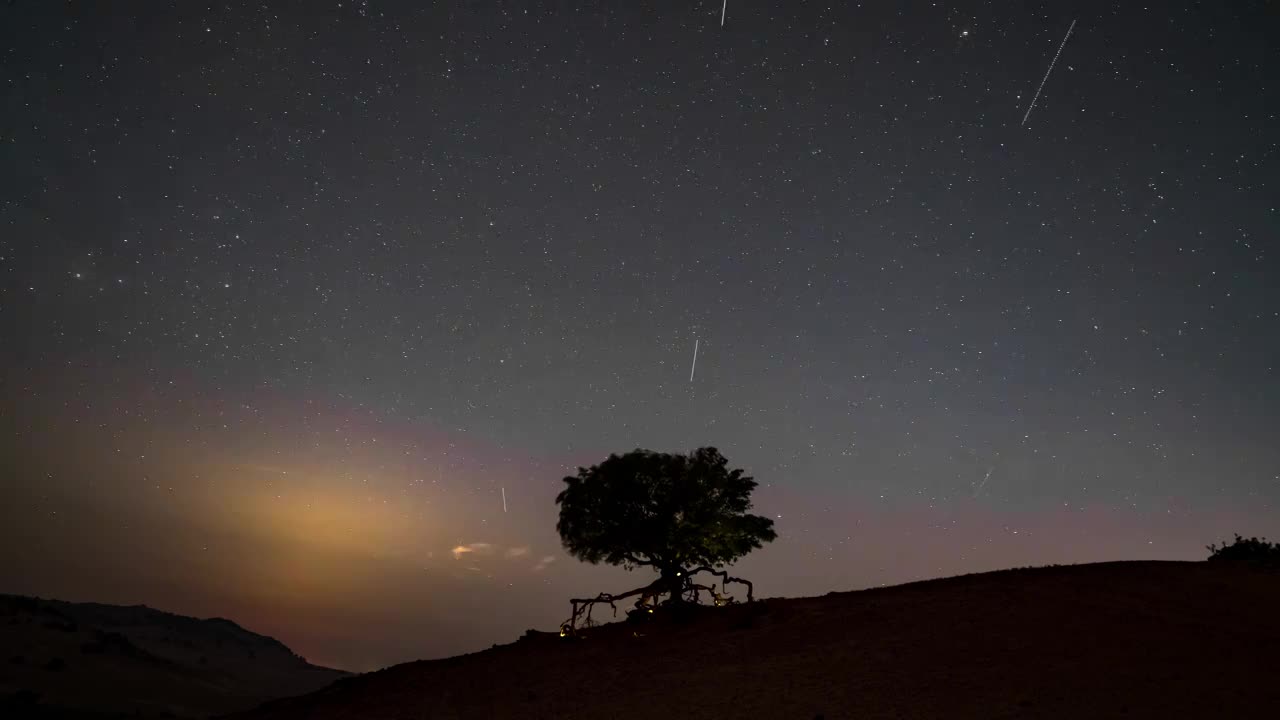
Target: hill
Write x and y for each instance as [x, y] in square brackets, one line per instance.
[88, 660]
[1124, 640]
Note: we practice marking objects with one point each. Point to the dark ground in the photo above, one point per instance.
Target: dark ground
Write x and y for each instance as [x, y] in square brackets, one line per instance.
[1123, 639]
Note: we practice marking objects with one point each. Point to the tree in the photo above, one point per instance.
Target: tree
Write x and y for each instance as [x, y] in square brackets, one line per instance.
[677, 514]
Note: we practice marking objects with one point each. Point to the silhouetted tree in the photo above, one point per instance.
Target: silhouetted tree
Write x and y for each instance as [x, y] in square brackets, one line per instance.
[674, 513]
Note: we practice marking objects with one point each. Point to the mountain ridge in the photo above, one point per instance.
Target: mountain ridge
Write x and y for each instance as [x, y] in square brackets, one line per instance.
[95, 659]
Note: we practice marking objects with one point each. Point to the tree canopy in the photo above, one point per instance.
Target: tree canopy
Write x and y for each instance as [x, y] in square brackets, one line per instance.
[672, 512]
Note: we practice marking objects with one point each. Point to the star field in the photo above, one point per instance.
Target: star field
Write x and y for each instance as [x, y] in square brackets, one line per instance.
[292, 294]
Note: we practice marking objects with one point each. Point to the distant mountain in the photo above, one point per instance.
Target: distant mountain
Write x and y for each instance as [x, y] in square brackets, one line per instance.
[1111, 640]
[87, 660]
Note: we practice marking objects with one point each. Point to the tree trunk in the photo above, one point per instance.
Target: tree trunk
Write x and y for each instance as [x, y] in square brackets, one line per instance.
[673, 581]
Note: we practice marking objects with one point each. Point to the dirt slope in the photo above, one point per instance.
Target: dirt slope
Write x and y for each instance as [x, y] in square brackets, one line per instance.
[63, 658]
[1127, 639]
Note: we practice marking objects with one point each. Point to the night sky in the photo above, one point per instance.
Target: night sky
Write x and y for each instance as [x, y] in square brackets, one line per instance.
[292, 293]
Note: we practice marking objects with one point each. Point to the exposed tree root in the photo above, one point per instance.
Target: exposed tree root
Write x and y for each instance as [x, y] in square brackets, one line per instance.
[690, 592]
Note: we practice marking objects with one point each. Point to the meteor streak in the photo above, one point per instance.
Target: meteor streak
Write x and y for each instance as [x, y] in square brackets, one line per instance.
[1046, 72]
[695, 355]
[984, 480]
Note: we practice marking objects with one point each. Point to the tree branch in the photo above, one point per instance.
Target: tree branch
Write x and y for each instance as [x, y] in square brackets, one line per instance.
[585, 605]
[724, 575]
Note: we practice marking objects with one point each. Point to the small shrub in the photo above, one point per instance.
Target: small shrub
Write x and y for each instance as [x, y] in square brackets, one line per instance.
[1247, 550]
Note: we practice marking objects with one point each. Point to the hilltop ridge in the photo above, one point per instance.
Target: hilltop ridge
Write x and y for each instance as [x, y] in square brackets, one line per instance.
[1122, 639]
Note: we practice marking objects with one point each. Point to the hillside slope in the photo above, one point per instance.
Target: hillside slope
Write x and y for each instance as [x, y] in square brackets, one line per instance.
[1127, 639]
[62, 658]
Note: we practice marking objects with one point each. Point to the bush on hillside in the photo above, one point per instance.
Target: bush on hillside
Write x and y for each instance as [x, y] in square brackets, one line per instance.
[1247, 550]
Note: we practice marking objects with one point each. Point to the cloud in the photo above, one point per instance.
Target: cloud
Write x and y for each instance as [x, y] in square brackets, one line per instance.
[477, 548]
[513, 552]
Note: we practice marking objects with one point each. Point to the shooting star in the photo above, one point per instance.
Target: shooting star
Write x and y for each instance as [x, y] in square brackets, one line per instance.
[723, 9]
[984, 480]
[695, 359]
[1046, 72]
[504, 499]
